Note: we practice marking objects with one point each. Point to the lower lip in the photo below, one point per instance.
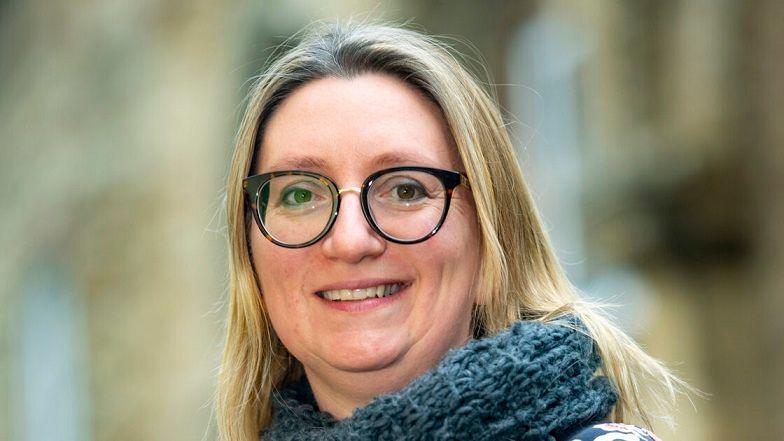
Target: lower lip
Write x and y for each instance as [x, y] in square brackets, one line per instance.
[363, 305]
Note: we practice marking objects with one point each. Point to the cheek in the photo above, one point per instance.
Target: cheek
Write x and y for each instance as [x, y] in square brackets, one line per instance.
[448, 264]
[280, 272]
[464, 231]
[274, 265]
[453, 253]
[465, 247]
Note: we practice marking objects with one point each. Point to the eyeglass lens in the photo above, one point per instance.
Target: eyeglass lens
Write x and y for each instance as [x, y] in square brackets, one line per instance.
[404, 205]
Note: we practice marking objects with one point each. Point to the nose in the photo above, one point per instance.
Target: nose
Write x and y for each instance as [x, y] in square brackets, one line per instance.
[351, 239]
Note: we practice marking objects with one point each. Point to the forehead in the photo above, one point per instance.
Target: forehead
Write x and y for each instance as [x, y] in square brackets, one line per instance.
[357, 125]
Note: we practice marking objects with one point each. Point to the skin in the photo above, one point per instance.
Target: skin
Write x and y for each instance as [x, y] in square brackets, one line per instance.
[346, 129]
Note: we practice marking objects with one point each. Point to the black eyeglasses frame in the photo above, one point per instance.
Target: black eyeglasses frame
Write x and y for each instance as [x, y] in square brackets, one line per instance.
[252, 185]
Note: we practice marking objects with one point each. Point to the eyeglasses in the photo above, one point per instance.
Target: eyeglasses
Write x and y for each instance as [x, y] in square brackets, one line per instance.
[405, 205]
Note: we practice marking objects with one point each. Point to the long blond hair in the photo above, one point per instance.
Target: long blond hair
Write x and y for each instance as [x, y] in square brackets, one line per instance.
[520, 278]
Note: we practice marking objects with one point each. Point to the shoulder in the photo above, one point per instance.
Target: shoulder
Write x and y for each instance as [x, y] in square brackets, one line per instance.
[613, 432]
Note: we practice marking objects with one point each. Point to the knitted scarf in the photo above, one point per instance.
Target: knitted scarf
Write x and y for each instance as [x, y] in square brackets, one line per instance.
[533, 381]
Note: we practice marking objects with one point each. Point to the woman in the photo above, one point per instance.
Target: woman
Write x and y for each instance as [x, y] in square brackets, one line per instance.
[390, 278]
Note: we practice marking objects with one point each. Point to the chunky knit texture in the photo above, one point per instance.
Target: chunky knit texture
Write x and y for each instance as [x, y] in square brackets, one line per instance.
[534, 381]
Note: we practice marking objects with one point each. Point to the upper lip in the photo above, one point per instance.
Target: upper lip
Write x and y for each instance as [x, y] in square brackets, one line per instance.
[359, 284]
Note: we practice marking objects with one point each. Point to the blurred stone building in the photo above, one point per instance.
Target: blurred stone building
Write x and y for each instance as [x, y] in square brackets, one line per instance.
[649, 132]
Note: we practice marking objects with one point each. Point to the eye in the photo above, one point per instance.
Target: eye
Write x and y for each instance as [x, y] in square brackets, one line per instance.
[408, 191]
[303, 195]
[401, 189]
[297, 196]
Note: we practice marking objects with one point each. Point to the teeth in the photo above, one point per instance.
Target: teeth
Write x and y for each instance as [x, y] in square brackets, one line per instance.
[361, 294]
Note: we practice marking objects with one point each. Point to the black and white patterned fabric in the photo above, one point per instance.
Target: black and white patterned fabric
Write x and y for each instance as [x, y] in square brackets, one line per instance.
[614, 432]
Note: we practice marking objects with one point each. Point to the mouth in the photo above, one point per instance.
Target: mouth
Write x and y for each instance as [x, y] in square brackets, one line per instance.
[358, 294]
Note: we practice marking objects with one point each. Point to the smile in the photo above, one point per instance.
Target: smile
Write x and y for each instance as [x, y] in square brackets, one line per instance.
[377, 291]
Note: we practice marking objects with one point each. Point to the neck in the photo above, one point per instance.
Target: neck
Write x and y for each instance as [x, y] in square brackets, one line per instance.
[341, 396]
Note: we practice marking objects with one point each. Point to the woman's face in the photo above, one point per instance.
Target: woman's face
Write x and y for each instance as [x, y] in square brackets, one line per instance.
[347, 129]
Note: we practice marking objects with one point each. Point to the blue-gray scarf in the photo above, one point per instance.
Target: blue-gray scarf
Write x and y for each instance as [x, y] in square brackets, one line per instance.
[533, 381]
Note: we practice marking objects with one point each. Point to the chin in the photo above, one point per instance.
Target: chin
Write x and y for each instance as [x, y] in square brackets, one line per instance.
[366, 354]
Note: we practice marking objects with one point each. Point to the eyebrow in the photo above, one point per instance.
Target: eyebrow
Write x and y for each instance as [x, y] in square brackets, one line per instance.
[398, 158]
[300, 163]
[388, 159]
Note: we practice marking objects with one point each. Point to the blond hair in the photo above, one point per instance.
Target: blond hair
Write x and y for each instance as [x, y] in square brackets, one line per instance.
[520, 278]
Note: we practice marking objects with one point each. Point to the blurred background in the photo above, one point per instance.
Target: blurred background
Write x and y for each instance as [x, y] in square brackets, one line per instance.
[650, 132]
